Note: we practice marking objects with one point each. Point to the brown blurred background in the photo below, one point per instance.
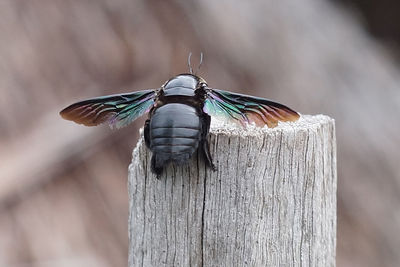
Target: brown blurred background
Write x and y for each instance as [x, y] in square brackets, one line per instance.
[63, 197]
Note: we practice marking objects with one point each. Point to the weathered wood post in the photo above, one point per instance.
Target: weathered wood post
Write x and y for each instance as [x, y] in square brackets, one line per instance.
[272, 201]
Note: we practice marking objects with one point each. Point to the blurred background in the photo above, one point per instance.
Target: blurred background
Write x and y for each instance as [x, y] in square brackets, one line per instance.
[63, 196]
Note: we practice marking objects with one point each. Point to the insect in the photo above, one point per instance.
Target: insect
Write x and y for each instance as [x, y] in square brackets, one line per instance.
[180, 113]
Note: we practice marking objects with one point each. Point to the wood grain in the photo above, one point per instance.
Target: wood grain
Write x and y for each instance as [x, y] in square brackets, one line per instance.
[272, 201]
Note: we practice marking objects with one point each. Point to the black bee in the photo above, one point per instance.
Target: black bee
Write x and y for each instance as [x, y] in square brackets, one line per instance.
[179, 115]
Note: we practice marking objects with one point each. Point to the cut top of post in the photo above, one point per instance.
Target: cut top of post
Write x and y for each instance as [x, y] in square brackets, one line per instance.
[306, 122]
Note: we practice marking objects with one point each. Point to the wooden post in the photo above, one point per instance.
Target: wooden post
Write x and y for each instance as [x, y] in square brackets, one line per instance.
[272, 201]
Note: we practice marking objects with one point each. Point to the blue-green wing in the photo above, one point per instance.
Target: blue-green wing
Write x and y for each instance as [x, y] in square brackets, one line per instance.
[246, 109]
[117, 110]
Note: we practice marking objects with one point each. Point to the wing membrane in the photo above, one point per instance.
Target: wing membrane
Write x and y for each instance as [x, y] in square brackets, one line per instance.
[117, 110]
[246, 109]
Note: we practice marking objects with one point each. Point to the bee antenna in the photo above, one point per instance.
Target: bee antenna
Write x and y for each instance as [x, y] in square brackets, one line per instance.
[189, 65]
[201, 62]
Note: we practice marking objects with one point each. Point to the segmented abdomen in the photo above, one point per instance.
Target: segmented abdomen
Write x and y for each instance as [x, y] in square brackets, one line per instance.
[175, 132]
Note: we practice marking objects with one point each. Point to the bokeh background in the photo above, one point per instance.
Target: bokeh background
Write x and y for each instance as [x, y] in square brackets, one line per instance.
[63, 196]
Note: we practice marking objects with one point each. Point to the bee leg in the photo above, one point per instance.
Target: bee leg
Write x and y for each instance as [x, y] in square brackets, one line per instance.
[207, 154]
[154, 168]
[204, 142]
[147, 133]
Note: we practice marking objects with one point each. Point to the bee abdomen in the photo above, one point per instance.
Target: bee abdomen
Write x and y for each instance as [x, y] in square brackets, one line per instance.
[175, 133]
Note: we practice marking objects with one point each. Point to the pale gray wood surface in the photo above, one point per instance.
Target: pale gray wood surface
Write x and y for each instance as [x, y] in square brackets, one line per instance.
[272, 201]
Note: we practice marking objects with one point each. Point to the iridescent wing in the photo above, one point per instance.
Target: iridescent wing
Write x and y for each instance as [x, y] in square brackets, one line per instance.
[117, 110]
[246, 109]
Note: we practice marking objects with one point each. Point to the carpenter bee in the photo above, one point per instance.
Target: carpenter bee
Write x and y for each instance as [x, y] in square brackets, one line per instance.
[180, 113]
